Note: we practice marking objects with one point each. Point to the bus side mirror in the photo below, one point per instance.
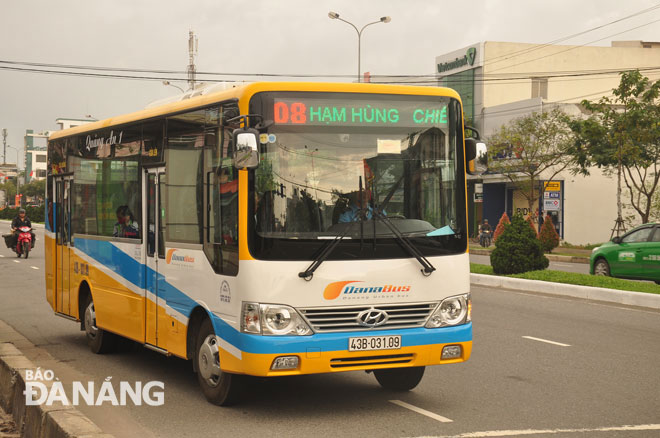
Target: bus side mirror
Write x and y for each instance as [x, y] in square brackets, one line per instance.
[476, 156]
[246, 144]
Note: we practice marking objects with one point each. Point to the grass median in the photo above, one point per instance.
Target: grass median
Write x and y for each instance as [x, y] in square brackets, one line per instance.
[574, 278]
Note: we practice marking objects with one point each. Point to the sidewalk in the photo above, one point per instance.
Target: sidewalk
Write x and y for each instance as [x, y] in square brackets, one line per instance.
[17, 417]
[7, 426]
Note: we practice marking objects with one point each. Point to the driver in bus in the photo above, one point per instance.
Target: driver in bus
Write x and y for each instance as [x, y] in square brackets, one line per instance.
[352, 214]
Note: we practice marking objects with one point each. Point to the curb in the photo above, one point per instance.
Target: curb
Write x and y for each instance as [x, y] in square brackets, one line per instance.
[56, 421]
[639, 299]
[551, 257]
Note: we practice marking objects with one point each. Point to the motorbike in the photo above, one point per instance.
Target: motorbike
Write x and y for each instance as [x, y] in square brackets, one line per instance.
[24, 242]
[484, 239]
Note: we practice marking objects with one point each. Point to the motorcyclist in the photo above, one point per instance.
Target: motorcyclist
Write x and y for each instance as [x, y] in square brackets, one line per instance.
[484, 231]
[21, 221]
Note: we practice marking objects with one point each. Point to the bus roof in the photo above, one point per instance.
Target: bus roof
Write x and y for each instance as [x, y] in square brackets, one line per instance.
[248, 90]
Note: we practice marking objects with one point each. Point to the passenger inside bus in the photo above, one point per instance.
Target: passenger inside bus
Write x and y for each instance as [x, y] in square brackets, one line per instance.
[126, 225]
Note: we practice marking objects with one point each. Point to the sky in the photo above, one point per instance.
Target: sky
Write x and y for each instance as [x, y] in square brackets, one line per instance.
[259, 36]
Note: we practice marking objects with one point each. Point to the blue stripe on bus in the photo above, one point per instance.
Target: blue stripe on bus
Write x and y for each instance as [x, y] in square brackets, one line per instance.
[339, 341]
[133, 271]
[113, 258]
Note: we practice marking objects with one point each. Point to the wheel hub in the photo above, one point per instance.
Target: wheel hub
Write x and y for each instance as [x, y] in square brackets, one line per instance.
[209, 360]
[90, 321]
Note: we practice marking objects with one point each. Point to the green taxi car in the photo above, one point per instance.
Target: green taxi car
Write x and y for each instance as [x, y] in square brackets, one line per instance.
[635, 255]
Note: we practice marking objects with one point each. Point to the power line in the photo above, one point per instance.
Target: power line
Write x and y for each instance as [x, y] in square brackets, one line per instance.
[541, 46]
[415, 79]
[576, 47]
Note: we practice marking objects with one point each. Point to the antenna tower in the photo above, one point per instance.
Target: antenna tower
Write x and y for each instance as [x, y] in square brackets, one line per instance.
[192, 52]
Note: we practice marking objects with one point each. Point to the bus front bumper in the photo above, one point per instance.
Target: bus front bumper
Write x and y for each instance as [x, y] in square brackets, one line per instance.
[329, 352]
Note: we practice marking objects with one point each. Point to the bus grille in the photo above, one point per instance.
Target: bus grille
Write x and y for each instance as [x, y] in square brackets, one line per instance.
[390, 359]
[338, 319]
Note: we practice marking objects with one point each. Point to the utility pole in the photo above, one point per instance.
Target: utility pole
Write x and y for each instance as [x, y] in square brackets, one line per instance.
[4, 143]
[192, 52]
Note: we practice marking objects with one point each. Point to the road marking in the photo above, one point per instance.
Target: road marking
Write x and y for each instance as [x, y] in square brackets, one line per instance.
[1, 255]
[504, 433]
[422, 411]
[17, 261]
[566, 265]
[546, 341]
[34, 267]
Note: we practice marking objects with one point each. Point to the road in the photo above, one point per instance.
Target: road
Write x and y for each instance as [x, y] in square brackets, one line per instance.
[546, 365]
[581, 268]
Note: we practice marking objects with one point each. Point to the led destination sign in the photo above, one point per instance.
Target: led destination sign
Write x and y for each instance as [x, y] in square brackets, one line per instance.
[319, 112]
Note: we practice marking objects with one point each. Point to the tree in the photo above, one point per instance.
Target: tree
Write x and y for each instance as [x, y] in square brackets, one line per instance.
[531, 146]
[518, 250]
[34, 188]
[622, 135]
[10, 190]
[530, 221]
[504, 221]
[548, 236]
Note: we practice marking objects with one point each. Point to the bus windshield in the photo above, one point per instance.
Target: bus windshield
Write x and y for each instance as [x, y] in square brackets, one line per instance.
[327, 164]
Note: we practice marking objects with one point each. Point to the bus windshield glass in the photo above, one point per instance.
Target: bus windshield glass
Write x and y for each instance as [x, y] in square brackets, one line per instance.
[355, 160]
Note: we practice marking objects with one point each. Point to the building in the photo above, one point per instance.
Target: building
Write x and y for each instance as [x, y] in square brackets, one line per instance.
[35, 155]
[500, 81]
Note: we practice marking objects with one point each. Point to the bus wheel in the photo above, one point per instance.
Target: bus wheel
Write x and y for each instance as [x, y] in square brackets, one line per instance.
[399, 379]
[99, 340]
[219, 387]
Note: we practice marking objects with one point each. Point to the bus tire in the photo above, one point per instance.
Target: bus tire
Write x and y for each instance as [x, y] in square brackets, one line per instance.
[399, 379]
[98, 340]
[219, 387]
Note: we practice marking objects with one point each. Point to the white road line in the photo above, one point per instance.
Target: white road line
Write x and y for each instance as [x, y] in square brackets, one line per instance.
[16, 261]
[566, 265]
[505, 433]
[1, 255]
[34, 267]
[546, 341]
[422, 411]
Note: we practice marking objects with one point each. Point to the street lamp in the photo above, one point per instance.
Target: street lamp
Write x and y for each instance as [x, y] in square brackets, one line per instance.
[335, 16]
[172, 85]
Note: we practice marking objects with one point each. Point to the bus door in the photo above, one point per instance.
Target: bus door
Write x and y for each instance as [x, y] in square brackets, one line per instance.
[154, 181]
[63, 242]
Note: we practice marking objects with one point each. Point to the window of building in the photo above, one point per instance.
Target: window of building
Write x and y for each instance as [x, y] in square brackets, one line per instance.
[41, 158]
[540, 88]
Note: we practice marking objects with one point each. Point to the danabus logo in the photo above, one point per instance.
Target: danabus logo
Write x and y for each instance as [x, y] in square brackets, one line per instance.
[171, 257]
[334, 290]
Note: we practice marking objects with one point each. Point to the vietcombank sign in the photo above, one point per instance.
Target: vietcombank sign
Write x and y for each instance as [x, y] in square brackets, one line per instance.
[458, 62]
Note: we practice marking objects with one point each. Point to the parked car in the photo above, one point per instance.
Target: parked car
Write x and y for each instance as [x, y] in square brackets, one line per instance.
[634, 255]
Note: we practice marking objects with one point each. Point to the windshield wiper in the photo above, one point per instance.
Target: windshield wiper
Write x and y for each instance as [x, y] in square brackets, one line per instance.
[308, 273]
[428, 268]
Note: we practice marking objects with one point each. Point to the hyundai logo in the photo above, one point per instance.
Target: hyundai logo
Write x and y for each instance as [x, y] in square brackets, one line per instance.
[372, 318]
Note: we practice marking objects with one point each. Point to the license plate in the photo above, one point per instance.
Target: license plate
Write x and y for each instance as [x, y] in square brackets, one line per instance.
[374, 343]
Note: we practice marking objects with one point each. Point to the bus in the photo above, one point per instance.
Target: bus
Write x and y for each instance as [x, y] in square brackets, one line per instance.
[269, 229]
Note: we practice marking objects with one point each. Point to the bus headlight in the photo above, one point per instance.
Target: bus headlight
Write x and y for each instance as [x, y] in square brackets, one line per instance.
[454, 310]
[273, 320]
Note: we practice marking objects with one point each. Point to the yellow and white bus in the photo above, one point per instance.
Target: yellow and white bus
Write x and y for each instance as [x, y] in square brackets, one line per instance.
[269, 229]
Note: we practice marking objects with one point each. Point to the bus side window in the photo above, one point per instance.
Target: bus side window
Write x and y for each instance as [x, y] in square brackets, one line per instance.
[221, 194]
